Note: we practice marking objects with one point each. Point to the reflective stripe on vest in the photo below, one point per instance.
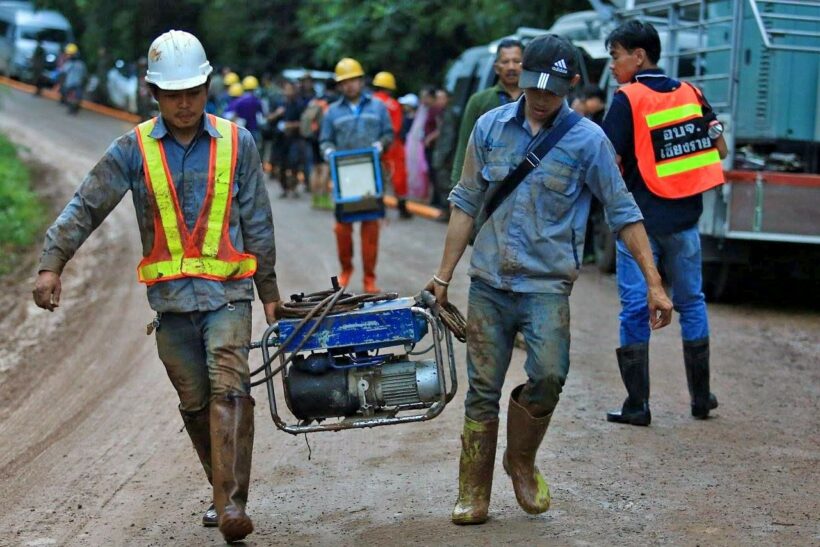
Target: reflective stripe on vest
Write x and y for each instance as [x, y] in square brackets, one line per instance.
[206, 252]
[676, 157]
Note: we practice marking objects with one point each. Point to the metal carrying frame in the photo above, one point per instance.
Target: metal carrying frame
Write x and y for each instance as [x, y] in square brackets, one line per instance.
[442, 346]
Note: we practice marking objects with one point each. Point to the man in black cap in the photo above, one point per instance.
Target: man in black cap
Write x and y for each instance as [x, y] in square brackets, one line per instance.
[525, 260]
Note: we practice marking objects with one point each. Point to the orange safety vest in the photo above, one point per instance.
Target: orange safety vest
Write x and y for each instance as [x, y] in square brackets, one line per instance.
[675, 155]
[207, 252]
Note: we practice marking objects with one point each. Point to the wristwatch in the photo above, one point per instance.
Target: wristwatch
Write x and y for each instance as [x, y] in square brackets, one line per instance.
[715, 130]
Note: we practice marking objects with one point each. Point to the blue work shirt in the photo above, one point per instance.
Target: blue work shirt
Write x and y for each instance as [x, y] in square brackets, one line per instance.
[121, 169]
[534, 240]
[662, 216]
[347, 127]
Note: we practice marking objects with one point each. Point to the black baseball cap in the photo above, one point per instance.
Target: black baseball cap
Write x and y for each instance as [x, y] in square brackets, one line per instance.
[550, 62]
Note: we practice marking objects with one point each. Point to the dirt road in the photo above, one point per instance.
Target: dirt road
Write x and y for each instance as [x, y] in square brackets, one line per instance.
[92, 453]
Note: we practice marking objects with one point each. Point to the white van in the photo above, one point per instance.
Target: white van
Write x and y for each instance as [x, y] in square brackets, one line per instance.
[20, 29]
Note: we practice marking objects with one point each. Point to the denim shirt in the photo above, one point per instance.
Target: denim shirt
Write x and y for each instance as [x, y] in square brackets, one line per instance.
[534, 240]
[347, 128]
[121, 169]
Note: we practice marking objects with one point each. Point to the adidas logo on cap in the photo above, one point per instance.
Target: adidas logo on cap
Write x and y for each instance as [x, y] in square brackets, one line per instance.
[560, 66]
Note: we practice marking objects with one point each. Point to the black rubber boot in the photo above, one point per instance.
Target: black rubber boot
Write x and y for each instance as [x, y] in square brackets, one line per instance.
[633, 361]
[696, 359]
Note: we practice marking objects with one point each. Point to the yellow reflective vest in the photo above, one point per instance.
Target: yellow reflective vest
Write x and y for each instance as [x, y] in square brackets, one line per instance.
[206, 252]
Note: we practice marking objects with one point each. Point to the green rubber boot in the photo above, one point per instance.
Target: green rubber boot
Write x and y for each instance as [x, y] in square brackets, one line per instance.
[475, 471]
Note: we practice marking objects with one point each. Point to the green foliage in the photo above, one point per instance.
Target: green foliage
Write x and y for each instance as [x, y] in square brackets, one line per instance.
[415, 39]
[21, 214]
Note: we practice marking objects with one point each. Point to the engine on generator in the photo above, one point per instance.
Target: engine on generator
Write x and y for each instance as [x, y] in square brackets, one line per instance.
[323, 386]
[350, 366]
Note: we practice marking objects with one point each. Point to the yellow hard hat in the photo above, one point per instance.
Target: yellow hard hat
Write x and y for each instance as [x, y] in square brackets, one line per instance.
[230, 79]
[348, 68]
[385, 80]
[71, 49]
[250, 83]
[235, 90]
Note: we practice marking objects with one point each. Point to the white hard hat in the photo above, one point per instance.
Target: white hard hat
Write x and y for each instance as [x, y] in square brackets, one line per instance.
[176, 60]
[411, 100]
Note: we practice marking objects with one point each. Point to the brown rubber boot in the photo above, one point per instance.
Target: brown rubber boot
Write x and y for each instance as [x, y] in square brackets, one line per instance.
[475, 471]
[232, 447]
[524, 435]
[198, 426]
[344, 248]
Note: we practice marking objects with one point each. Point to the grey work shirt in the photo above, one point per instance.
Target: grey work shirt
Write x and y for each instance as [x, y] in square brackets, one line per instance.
[534, 240]
[347, 127]
[121, 170]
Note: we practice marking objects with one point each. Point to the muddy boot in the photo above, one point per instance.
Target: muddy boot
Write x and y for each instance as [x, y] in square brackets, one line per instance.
[696, 359]
[524, 435]
[633, 361]
[475, 471]
[197, 424]
[232, 447]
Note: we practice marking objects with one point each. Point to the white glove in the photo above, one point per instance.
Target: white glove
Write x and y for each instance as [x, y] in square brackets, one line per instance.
[378, 146]
[327, 152]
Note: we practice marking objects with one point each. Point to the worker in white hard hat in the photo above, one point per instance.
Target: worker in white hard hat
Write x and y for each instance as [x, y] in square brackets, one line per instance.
[207, 237]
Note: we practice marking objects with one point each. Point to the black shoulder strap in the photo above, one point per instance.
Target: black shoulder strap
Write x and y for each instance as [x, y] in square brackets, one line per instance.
[531, 161]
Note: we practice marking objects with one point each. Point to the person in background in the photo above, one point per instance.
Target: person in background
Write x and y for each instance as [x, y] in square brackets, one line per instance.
[287, 117]
[669, 144]
[38, 66]
[443, 153]
[74, 76]
[356, 120]
[591, 103]
[507, 67]
[434, 104]
[247, 110]
[393, 159]
[310, 125]
[409, 104]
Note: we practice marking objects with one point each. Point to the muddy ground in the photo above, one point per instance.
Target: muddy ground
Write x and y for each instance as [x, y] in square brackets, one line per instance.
[92, 452]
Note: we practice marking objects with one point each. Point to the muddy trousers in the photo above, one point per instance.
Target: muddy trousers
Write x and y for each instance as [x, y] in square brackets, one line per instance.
[370, 251]
[206, 357]
[493, 318]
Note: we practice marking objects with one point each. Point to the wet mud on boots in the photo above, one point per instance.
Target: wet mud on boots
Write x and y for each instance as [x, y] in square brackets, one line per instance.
[524, 435]
[475, 471]
[198, 426]
[232, 448]
[633, 362]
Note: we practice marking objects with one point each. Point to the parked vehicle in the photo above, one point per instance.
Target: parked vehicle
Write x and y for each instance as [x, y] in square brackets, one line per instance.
[758, 62]
[21, 27]
[121, 85]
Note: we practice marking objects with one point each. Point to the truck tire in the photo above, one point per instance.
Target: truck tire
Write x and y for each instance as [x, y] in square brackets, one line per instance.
[718, 283]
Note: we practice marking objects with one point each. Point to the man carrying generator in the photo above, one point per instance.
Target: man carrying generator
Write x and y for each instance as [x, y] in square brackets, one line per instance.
[356, 120]
[530, 171]
[669, 145]
[206, 228]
